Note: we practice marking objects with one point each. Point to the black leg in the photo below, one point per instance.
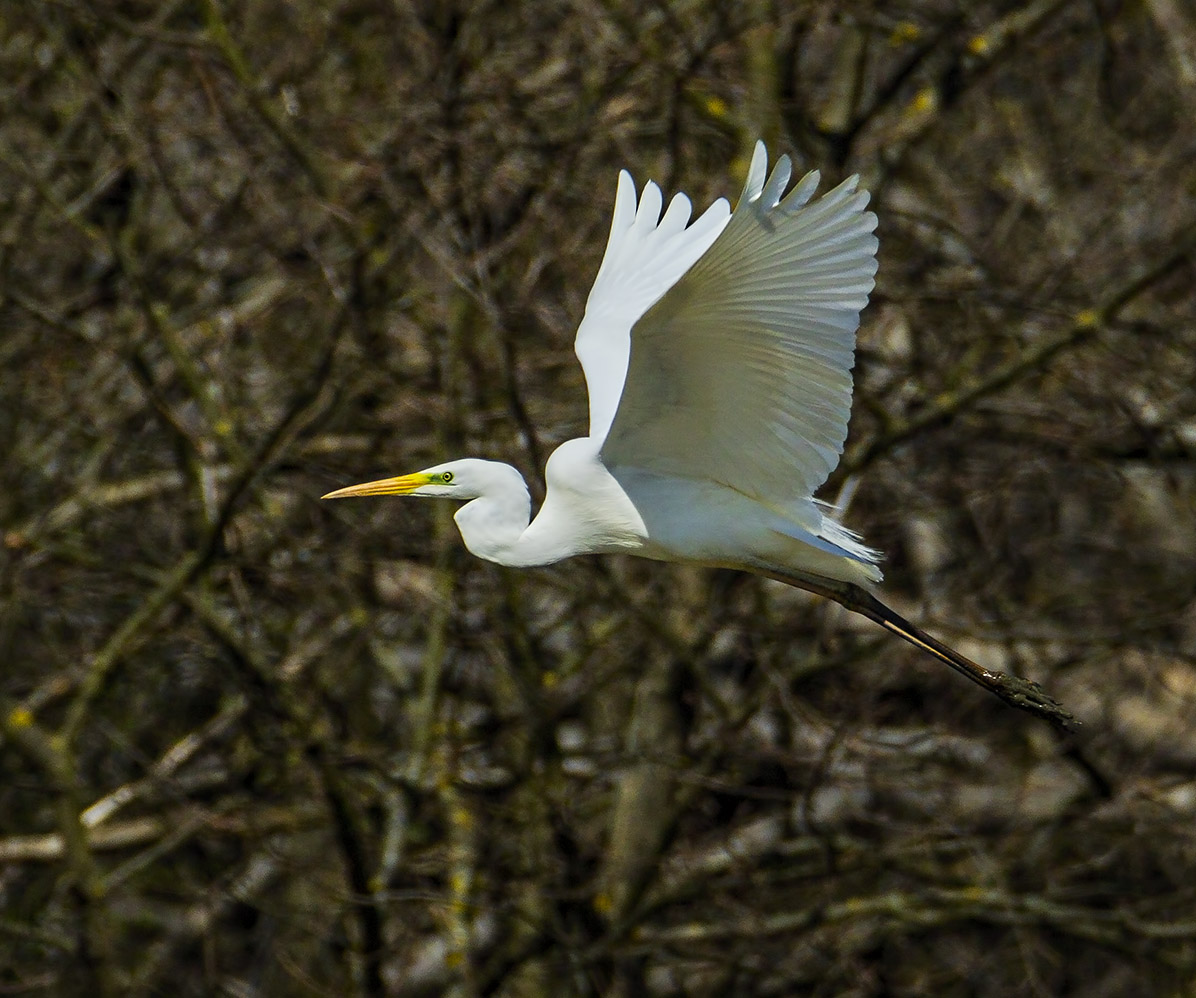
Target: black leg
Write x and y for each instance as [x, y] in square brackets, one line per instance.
[1025, 694]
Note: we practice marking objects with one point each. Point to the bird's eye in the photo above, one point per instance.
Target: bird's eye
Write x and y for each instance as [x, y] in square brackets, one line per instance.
[447, 477]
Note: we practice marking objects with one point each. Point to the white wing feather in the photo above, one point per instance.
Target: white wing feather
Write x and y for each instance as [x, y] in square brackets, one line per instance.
[645, 256]
[741, 333]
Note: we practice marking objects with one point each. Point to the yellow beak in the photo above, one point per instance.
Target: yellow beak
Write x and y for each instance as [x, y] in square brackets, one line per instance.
[383, 487]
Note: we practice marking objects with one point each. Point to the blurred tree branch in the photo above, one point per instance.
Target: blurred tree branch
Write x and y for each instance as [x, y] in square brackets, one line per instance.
[1085, 326]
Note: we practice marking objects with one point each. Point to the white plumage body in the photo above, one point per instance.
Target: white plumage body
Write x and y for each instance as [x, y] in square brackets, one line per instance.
[660, 516]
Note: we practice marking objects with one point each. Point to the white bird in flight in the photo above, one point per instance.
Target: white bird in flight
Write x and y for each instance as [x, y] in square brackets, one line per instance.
[718, 357]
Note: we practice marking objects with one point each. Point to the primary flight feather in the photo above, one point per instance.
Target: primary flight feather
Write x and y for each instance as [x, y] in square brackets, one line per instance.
[717, 355]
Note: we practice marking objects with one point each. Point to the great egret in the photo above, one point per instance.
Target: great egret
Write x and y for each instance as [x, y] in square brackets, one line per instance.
[718, 359]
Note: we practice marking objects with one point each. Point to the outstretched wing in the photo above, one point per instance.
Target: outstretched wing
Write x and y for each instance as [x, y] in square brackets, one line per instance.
[645, 256]
[740, 372]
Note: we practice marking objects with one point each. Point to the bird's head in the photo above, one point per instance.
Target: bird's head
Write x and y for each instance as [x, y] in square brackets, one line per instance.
[467, 479]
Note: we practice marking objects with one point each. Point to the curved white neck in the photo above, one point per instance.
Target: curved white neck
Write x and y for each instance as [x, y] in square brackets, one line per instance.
[585, 511]
[491, 526]
[495, 525]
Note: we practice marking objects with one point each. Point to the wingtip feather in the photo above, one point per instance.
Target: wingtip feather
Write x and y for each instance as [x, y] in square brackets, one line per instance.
[757, 172]
[771, 195]
[651, 201]
[625, 201]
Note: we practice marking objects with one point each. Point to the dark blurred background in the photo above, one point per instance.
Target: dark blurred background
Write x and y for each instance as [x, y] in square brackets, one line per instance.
[258, 745]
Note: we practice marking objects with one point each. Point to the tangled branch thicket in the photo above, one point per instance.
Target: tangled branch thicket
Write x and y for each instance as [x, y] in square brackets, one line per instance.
[257, 745]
